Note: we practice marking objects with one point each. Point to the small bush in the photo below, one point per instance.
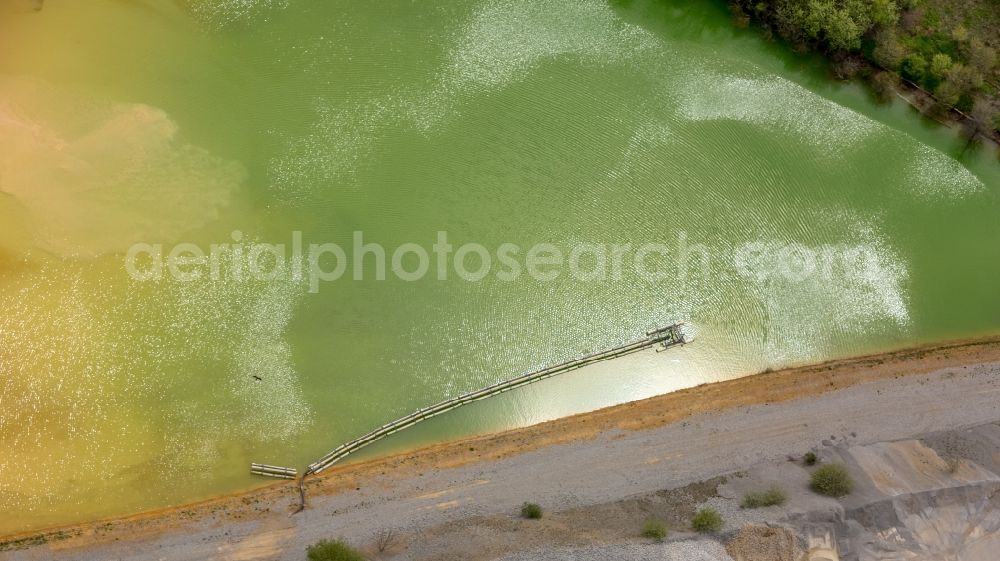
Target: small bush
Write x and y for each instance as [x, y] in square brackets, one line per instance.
[708, 520]
[655, 530]
[531, 510]
[384, 539]
[810, 458]
[832, 480]
[333, 550]
[772, 497]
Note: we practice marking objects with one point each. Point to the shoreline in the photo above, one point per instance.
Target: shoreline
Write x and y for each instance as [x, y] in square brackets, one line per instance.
[762, 389]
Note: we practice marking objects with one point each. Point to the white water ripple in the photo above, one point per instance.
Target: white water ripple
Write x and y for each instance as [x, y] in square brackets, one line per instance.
[832, 130]
[503, 41]
[852, 288]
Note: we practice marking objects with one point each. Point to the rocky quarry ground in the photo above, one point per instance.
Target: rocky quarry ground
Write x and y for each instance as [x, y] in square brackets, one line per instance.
[936, 498]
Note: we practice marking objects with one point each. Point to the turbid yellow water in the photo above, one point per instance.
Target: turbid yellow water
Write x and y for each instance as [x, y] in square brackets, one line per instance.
[797, 221]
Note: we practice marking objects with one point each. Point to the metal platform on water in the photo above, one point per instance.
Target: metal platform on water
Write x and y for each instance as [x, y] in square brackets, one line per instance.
[273, 471]
[662, 338]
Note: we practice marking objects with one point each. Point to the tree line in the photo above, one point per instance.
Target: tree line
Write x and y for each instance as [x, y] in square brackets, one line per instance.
[943, 48]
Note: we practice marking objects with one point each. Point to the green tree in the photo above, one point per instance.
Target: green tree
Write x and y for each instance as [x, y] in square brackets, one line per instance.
[940, 65]
[948, 92]
[838, 24]
[914, 68]
[888, 51]
[959, 87]
[884, 13]
[966, 79]
[843, 32]
[982, 58]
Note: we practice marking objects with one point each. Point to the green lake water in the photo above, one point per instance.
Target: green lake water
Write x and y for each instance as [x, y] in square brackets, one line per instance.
[568, 122]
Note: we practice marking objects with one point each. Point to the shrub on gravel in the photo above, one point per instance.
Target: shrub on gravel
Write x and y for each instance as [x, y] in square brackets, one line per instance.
[772, 497]
[809, 458]
[832, 480]
[654, 530]
[531, 511]
[708, 520]
[333, 550]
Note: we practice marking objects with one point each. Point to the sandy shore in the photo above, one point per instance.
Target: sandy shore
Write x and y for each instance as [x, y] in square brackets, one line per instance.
[641, 447]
